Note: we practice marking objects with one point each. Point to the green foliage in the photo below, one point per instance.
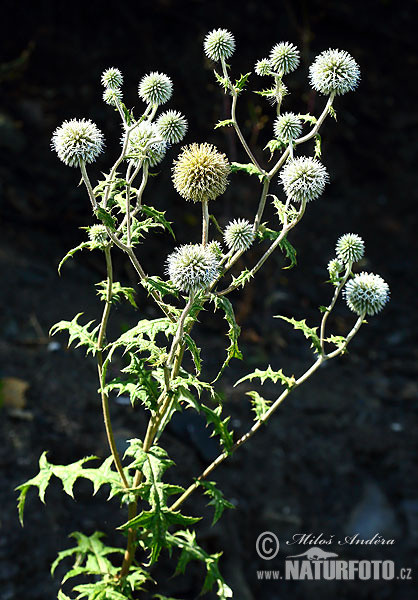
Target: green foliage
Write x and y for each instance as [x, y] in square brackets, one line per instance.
[308, 119]
[268, 374]
[223, 81]
[163, 288]
[259, 404]
[248, 168]
[225, 123]
[220, 426]
[158, 218]
[241, 82]
[71, 253]
[233, 351]
[217, 499]
[118, 292]
[308, 332]
[285, 246]
[332, 112]
[244, 277]
[274, 145]
[269, 93]
[68, 474]
[78, 332]
[318, 149]
[338, 340]
[106, 218]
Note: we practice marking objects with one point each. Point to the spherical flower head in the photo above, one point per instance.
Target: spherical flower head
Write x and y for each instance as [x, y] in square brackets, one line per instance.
[216, 248]
[200, 172]
[287, 127]
[284, 58]
[218, 44]
[334, 72]
[334, 269]
[366, 294]
[112, 96]
[98, 236]
[239, 235]
[192, 267]
[155, 88]
[304, 178]
[145, 143]
[172, 126]
[77, 140]
[263, 67]
[350, 248]
[112, 78]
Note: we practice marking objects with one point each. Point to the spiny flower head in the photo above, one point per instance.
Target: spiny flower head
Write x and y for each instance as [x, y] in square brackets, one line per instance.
[239, 235]
[200, 172]
[98, 236]
[334, 269]
[350, 248]
[219, 43]
[366, 293]
[77, 140]
[216, 248]
[112, 96]
[155, 88]
[334, 71]
[112, 78]
[304, 178]
[287, 127]
[192, 267]
[145, 143]
[172, 126]
[284, 58]
[263, 67]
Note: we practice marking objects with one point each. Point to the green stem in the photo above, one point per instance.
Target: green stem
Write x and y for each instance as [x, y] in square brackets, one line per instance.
[332, 304]
[205, 222]
[87, 184]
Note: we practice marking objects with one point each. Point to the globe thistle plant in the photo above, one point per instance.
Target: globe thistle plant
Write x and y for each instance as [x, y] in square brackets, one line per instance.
[155, 88]
[263, 67]
[145, 143]
[219, 44]
[304, 179]
[200, 172]
[77, 140]
[112, 78]
[98, 236]
[287, 127]
[192, 267]
[172, 126]
[366, 294]
[334, 269]
[284, 58]
[350, 248]
[239, 235]
[334, 72]
[112, 96]
[216, 248]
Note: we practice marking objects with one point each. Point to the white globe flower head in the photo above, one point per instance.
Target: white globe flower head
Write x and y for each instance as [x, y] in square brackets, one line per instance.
[284, 58]
[239, 235]
[145, 143]
[350, 248]
[172, 126]
[334, 269]
[366, 294]
[218, 44]
[216, 248]
[192, 267]
[304, 179]
[334, 72]
[112, 78]
[112, 96]
[263, 67]
[98, 236]
[155, 88]
[287, 127]
[77, 140]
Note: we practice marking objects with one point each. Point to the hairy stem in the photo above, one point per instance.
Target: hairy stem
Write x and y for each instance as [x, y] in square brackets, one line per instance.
[99, 355]
[205, 222]
[87, 184]
[332, 304]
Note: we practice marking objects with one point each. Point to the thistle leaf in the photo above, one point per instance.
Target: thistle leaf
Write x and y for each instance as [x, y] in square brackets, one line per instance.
[234, 331]
[220, 427]
[78, 332]
[268, 374]
[308, 332]
[217, 499]
[225, 123]
[259, 404]
[71, 253]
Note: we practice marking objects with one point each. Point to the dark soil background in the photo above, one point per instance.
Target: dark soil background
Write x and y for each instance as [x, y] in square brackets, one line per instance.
[339, 458]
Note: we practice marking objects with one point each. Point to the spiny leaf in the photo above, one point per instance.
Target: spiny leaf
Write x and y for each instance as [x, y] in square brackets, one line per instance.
[225, 123]
[234, 331]
[222, 81]
[318, 150]
[274, 145]
[244, 277]
[220, 427]
[162, 287]
[260, 405]
[270, 93]
[289, 251]
[118, 292]
[158, 216]
[332, 112]
[78, 332]
[241, 82]
[194, 351]
[339, 340]
[187, 380]
[71, 253]
[217, 499]
[273, 376]
[248, 168]
[106, 218]
[307, 118]
[308, 332]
